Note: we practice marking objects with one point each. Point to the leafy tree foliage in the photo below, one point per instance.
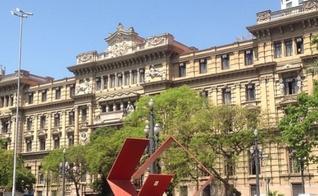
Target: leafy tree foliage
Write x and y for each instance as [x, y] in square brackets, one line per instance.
[298, 127]
[76, 158]
[212, 133]
[24, 177]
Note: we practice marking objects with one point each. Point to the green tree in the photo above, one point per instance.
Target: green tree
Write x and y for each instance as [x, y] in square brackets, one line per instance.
[225, 132]
[209, 132]
[24, 177]
[105, 144]
[298, 127]
[174, 109]
[76, 158]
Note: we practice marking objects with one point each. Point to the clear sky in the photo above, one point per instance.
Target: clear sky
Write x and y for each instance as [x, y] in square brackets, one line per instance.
[59, 30]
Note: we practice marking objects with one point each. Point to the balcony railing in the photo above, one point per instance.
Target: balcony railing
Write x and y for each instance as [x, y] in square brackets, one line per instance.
[266, 16]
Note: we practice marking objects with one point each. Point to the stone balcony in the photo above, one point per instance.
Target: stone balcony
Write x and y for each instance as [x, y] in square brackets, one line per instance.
[307, 6]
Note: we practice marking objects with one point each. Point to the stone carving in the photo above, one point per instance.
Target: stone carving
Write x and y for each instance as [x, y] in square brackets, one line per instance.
[130, 109]
[156, 40]
[154, 72]
[85, 87]
[120, 47]
[264, 16]
[299, 83]
[86, 56]
[310, 5]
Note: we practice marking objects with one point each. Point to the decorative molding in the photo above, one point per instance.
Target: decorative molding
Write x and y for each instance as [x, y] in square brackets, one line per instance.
[264, 16]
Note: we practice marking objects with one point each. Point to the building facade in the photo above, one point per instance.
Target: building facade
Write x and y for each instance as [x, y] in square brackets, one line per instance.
[290, 3]
[267, 72]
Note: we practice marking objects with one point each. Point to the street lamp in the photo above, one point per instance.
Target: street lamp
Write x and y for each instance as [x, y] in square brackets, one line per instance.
[152, 132]
[63, 167]
[256, 152]
[21, 15]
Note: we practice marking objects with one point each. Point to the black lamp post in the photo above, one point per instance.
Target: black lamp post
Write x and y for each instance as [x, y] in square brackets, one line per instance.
[152, 133]
[63, 167]
[302, 175]
[256, 152]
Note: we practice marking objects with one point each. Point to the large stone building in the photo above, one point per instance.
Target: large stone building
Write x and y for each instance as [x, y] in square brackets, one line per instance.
[267, 71]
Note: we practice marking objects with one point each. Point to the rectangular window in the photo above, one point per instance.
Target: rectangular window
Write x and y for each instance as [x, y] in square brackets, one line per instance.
[112, 81]
[57, 93]
[44, 95]
[290, 86]
[248, 57]
[278, 49]
[118, 106]
[72, 91]
[253, 189]
[142, 75]
[71, 118]
[203, 65]
[229, 169]
[120, 80]
[83, 177]
[40, 178]
[56, 142]
[293, 166]
[289, 47]
[5, 126]
[11, 100]
[182, 70]
[110, 107]
[250, 92]
[57, 120]
[29, 124]
[30, 98]
[253, 166]
[226, 96]
[299, 45]
[71, 140]
[225, 61]
[183, 190]
[84, 114]
[296, 189]
[28, 145]
[98, 83]
[135, 76]
[43, 122]
[42, 143]
[127, 78]
[289, 5]
[105, 82]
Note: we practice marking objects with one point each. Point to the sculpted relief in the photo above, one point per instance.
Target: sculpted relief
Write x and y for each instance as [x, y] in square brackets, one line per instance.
[154, 72]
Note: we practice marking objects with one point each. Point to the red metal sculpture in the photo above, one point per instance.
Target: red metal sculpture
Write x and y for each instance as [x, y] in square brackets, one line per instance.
[124, 170]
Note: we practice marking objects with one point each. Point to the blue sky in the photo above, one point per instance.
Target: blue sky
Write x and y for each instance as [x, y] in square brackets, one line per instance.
[62, 29]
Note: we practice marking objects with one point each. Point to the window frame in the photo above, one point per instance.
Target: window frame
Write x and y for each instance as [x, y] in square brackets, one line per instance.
[227, 92]
[182, 67]
[203, 65]
[225, 60]
[278, 49]
[288, 47]
[249, 57]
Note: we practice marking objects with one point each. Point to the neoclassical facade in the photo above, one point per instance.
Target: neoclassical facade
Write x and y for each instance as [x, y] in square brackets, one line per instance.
[267, 70]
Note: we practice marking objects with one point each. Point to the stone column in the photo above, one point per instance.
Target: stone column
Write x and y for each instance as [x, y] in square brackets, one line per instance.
[90, 117]
[263, 89]
[238, 93]
[214, 93]
[63, 117]
[76, 133]
[271, 93]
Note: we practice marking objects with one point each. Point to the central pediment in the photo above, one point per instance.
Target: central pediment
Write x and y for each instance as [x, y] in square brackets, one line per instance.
[123, 41]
